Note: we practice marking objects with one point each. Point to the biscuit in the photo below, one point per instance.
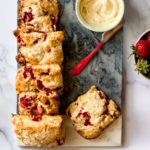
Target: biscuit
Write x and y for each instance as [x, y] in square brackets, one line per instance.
[47, 78]
[47, 132]
[91, 113]
[38, 48]
[38, 15]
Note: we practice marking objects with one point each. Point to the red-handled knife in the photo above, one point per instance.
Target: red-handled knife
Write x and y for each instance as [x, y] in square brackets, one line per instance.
[105, 37]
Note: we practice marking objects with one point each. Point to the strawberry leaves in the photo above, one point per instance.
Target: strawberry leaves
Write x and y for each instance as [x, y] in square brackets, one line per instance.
[134, 52]
[142, 66]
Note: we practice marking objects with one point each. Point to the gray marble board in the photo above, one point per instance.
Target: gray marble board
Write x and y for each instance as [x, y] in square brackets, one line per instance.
[105, 68]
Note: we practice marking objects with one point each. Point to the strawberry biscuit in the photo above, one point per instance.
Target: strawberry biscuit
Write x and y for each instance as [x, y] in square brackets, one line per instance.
[91, 113]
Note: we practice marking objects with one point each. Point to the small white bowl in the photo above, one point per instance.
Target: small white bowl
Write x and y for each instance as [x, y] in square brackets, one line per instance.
[86, 25]
[140, 37]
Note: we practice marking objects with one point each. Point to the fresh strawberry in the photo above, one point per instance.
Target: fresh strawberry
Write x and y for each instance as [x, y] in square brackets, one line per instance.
[148, 36]
[37, 118]
[143, 48]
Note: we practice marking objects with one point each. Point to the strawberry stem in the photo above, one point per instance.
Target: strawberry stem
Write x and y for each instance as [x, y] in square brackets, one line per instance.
[142, 66]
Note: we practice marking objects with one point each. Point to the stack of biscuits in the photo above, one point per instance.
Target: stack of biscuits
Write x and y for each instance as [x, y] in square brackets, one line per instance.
[39, 81]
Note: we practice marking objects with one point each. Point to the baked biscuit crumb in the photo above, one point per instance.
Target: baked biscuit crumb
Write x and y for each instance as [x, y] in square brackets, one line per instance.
[91, 113]
[48, 132]
[47, 78]
[39, 48]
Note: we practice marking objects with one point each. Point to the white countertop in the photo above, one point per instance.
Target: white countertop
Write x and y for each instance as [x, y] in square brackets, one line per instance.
[136, 89]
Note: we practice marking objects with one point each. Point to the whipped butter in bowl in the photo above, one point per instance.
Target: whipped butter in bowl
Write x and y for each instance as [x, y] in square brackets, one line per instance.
[100, 15]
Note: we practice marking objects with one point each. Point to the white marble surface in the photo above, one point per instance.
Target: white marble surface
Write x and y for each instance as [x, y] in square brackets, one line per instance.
[136, 89]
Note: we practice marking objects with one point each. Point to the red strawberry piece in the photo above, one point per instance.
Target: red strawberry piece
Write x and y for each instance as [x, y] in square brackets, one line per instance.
[69, 113]
[28, 16]
[25, 102]
[36, 41]
[28, 71]
[37, 110]
[43, 88]
[101, 95]
[105, 110]
[48, 91]
[34, 111]
[143, 48]
[86, 116]
[48, 71]
[148, 36]
[20, 41]
[45, 36]
[40, 85]
[49, 50]
[37, 118]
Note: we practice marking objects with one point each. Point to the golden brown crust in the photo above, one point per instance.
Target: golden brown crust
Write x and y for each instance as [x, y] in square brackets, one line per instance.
[91, 113]
[35, 14]
[20, 59]
[49, 6]
[38, 48]
[39, 78]
[38, 103]
[48, 132]
[39, 82]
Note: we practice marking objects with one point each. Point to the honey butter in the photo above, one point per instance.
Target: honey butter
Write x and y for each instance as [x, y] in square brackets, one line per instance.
[100, 14]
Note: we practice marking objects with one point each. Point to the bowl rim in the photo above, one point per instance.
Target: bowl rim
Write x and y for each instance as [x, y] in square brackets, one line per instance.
[145, 32]
[84, 24]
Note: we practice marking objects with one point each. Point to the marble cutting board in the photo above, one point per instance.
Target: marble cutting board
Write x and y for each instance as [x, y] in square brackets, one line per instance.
[104, 71]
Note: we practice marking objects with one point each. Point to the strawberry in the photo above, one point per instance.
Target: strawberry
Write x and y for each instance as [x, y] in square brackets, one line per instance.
[143, 48]
[148, 36]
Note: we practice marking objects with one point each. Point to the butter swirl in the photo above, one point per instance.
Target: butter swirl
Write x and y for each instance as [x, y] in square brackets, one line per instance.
[99, 13]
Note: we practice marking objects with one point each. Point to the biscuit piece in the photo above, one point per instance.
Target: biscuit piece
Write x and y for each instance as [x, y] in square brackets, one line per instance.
[38, 48]
[39, 78]
[38, 14]
[48, 132]
[49, 6]
[91, 113]
[38, 103]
